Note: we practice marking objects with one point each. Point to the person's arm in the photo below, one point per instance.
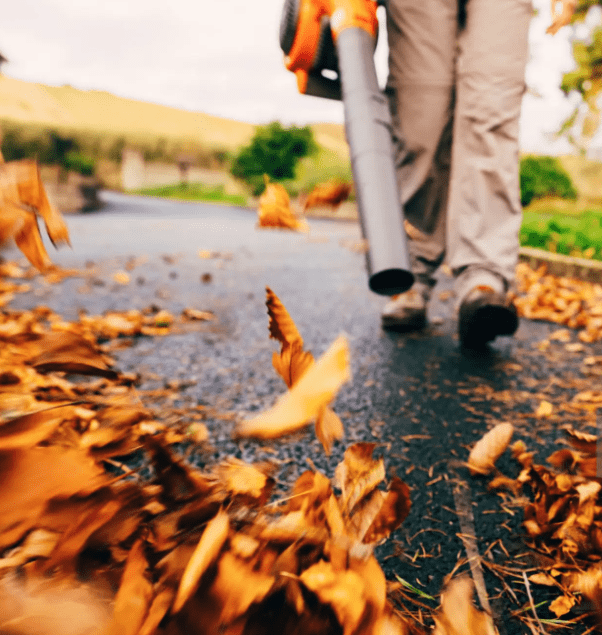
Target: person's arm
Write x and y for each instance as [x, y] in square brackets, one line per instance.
[561, 16]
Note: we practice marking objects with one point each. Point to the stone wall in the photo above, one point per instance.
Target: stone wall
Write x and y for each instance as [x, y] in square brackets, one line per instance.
[136, 174]
[70, 192]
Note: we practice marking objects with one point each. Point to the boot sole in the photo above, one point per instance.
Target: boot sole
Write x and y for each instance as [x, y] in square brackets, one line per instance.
[482, 324]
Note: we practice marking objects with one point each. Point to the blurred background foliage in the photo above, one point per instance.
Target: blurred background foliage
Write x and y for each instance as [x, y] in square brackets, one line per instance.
[586, 78]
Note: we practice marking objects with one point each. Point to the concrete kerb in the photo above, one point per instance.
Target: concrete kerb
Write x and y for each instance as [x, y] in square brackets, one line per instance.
[560, 265]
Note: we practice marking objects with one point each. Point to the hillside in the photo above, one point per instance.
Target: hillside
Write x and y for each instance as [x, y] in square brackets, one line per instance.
[66, 107]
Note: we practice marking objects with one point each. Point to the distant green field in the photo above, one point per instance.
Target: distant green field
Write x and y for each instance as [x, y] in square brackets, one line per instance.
[195, 192]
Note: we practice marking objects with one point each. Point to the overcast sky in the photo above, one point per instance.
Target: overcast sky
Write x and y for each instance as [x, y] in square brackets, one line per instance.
[221, 57]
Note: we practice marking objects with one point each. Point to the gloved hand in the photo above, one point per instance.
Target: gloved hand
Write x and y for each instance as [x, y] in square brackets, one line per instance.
[561, 17]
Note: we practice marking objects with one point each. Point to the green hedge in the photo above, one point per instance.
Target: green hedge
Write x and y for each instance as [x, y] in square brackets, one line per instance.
[544, 176]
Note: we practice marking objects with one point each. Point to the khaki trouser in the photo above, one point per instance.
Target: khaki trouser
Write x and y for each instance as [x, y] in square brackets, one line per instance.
[465, 84]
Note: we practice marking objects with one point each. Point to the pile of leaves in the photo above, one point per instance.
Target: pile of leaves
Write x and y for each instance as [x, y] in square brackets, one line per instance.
[562, 512]
[568, 301]
[88, 545]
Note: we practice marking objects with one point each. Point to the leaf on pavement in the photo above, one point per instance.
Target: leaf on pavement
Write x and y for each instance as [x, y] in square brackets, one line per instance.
[275, 209]
[562, 605]
[30, 429]
[135, 594]
[393, 511]
[487, 450]
[238, 586]
[70, 353]
[244, 480]
[207, 550]
[358, 474]
[342, 590]
[458, 615]
[304, 401]
[31, 478]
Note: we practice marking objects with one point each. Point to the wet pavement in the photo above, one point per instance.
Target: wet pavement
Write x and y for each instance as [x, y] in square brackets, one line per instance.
[419, 396]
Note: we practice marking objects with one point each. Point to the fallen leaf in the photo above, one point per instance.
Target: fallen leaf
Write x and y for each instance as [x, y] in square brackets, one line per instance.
[393, 511]
[329, 428]
[238, 586]
[562, 605]
[275, 209]
[121, 277]
[303, 402]
[458, 615]
[332, 193]
[545, 409]
[342, 590]
[487, 450]
[207, 550]
[358, 474]
[135, 594]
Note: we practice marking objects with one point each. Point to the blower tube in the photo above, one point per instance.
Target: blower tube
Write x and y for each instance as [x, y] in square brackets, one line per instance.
[368, 130]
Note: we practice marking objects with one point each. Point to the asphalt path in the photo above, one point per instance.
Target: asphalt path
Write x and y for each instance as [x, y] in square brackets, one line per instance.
[422, 398]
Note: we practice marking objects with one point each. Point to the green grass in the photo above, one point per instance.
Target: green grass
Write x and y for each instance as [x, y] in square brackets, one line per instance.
[195, 192]
[574, 233]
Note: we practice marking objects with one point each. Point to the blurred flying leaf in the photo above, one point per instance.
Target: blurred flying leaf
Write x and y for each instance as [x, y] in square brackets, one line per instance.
[489, 448]
[275, 209]
[458, 615]
[293, 362]
[304, 401]
[206, 552]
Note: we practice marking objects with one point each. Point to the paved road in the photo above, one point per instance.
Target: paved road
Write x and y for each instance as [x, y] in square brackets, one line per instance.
[419, 395]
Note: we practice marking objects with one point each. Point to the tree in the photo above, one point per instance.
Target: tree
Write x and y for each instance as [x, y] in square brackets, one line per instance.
[275, 151]
[585, 79]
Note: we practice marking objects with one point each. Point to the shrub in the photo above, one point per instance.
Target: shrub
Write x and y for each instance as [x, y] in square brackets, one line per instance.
[274, 151]
[544, 176]
[80, 163]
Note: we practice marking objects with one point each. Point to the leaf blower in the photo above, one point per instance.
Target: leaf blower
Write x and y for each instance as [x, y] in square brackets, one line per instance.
[329, 45]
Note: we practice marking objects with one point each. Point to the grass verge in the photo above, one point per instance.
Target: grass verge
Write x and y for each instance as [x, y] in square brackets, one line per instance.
[577, 234]
[195, 192]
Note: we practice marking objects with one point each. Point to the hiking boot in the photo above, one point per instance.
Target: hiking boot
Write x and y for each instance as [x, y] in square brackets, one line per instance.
[406, 311]
[484, 314]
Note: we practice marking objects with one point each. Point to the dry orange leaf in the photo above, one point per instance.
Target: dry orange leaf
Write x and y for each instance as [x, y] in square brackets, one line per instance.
[275, 209]
[562, 605]
[21, 226]
[487, 450]
[342, 590]
[20, 184]
[331, 193]
[358, 474]
[545, 409]
[238, 586]
[242, 479]
[329, 428]
[206, 552]
[134, 596]
[458, 615]
[293, 361]
[393, 511]
[304, 401]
